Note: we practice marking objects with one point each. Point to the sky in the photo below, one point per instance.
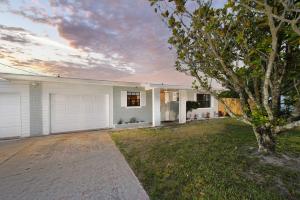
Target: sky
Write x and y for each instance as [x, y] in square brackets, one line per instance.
[121, 40]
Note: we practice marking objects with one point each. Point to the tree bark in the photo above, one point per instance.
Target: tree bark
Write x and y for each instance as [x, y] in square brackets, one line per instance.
[265, 139]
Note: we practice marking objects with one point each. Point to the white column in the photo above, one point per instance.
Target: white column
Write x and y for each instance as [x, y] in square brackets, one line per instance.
[182, 106]
[156, 107]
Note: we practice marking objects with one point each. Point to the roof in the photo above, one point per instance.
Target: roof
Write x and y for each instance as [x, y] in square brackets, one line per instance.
[41, 78]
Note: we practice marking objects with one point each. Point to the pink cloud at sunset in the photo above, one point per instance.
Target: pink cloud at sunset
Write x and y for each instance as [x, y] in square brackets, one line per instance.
[107, 39]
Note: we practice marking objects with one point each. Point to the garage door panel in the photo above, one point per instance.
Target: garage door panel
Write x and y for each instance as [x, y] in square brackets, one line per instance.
[10, 118]
[78, 112]
[10, 131]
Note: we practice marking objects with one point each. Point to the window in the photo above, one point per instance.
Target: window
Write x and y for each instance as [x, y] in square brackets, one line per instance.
[133, 99]
[203, 100]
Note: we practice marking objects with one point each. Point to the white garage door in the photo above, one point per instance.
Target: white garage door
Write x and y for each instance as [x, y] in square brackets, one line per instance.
[78, 112]
[10, 115]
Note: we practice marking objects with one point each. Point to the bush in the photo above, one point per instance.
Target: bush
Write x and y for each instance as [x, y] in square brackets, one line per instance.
[190, 105]
[120, 121]
[133, 120]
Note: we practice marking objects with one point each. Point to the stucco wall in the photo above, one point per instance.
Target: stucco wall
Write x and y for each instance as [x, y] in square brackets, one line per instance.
[143, 113]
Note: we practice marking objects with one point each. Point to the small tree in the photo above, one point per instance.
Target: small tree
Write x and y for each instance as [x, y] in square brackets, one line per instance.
[251, 47]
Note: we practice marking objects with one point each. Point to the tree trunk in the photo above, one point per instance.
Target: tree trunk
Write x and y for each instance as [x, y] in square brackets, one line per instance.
[265, 139]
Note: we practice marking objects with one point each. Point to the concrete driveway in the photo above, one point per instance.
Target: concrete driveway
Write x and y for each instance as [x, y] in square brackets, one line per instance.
[69, 166]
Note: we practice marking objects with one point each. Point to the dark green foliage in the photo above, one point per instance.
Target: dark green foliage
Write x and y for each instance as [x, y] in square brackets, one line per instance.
[228, 94]
[190, 105]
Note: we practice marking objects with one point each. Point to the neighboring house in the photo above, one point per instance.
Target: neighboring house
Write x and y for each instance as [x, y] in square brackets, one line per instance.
[41, 105]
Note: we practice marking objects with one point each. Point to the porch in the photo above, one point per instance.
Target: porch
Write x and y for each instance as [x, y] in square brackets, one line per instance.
[168, 105]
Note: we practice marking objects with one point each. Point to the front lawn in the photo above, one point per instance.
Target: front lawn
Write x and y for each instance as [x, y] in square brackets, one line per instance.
[213, 159]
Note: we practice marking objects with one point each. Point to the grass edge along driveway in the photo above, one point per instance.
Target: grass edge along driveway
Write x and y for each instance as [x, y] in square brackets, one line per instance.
[213, 159]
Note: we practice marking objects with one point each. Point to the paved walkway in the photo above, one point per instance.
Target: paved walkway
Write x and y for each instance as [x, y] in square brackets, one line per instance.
[69, 166]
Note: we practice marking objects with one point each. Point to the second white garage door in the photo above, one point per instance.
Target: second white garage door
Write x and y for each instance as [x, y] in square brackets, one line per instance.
[78, 112]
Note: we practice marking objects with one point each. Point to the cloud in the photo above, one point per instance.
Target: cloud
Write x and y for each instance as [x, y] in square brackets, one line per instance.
[129, 28]
[12, 38]
[107, 38]
[37, 15]
[23, 48]
[4, 2]
[13, 34]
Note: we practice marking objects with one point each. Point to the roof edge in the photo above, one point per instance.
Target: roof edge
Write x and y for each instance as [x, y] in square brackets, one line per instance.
[43, 78]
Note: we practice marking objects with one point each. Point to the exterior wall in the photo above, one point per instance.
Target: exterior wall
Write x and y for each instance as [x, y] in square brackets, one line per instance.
[64, 88]
[203, 111]
[36, 121]
[21, 88]
[143, 113]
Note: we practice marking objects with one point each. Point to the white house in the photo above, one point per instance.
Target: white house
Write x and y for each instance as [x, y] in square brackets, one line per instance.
[41, 105]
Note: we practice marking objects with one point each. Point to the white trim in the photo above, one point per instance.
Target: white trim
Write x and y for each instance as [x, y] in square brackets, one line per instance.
[123, 98]
[182, 106]
[156, 114]
[143, 98]
[53, 79]
[129, 107]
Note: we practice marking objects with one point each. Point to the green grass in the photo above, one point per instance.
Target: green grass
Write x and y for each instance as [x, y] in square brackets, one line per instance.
[208, 160]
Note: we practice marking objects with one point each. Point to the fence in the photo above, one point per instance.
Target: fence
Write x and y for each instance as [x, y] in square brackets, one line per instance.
[234, 104]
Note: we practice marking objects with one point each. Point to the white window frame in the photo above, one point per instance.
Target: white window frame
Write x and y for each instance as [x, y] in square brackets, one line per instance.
[127, 100]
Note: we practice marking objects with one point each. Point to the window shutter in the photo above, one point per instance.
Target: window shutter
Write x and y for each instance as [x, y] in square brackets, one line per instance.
[143, 98]
[123, 98]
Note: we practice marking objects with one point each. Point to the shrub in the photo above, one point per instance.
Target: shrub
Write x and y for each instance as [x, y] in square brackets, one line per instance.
[190, 105]
[132, 120]
[120, 121]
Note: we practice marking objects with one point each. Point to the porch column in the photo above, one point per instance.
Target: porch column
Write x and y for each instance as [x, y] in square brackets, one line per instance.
[156, 107]
[182, 106]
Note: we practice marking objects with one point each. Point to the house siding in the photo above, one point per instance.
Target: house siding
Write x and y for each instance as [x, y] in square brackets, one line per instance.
[36, 125]
[143, 113]
[22, 89]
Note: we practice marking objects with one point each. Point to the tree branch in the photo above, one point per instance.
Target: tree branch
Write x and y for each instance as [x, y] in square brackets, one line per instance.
[280, 129]
[272, 56]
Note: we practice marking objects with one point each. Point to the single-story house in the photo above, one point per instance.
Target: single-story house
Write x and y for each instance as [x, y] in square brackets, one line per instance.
[42, 105]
